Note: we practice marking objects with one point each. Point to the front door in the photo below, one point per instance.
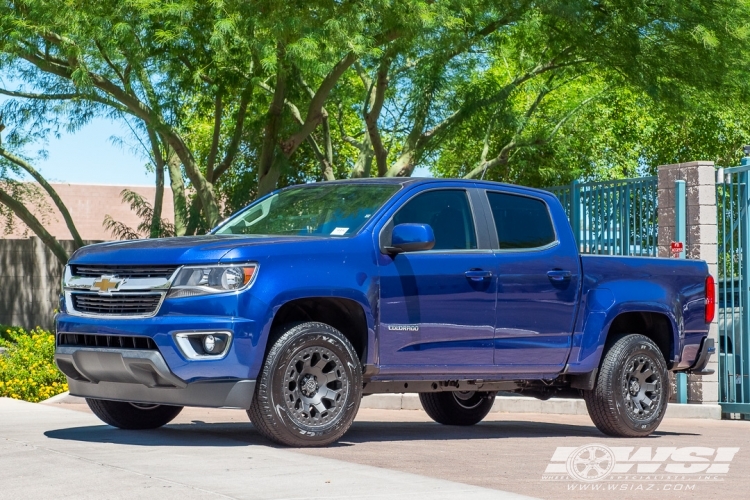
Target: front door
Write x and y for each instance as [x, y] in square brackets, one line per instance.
[537, 289]
[437, 307]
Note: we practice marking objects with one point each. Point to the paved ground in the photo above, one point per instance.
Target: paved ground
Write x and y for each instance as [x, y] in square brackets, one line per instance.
[63, 451]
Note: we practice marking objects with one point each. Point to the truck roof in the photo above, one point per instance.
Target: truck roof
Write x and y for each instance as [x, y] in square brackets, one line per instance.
[404, 181]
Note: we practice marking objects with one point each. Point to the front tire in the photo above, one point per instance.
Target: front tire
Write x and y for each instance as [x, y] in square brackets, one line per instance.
[310, 387]
[632, 388]
[133, 416]
[457, 408]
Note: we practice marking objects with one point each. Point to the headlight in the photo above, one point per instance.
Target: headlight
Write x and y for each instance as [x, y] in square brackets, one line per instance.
[192, 281]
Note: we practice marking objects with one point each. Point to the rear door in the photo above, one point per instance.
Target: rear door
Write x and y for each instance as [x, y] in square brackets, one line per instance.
[437, 307]
[538, 272]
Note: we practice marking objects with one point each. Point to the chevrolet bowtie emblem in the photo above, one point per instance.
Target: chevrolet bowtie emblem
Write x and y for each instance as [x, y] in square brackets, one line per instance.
[106, 284]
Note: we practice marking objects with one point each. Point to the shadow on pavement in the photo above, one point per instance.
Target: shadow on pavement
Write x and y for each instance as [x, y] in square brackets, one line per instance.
[425, 431]
[195, 434]
[241, 434]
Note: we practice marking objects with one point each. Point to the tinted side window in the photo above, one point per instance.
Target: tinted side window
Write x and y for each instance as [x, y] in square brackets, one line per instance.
[521, 222]
[448, 213]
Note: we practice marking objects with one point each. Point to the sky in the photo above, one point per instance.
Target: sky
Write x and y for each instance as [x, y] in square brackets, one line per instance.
[89, 156]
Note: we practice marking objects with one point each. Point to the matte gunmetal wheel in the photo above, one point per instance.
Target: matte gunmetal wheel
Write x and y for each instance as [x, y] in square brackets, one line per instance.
[457, 408]
[632, 388]
[309, 391]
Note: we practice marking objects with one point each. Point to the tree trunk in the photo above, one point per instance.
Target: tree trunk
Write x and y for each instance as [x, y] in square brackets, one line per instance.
[404, 166]
[269, 165]
[267, 183]
[155, 229]
[363, 166]
[178, 195]
[158, 202]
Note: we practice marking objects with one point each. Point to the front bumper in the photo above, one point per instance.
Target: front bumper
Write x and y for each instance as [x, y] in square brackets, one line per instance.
[142, 376]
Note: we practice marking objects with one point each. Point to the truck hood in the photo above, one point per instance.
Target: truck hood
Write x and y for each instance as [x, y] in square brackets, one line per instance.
[175, 251]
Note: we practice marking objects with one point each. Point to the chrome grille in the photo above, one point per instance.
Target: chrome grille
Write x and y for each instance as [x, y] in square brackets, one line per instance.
[123, 271]
[94, 340]
[117, 304]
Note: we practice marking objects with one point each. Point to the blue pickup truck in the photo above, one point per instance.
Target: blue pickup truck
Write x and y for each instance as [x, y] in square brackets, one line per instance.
[316, 295]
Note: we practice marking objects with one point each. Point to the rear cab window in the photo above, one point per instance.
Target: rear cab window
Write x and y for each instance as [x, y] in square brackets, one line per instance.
[522, 222]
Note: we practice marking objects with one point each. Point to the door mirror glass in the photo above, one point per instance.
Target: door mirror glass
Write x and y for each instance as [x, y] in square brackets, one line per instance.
[412, 238]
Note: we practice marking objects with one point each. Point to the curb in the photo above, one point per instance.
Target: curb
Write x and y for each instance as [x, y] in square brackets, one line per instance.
[63, 398]
[503, 404]
[516, 404]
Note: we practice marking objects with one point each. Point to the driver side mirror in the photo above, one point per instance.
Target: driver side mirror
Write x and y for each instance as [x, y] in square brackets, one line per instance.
[411, 238]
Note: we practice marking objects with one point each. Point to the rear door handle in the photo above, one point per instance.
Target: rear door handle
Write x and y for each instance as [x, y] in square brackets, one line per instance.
[558, 275]
[478, 274]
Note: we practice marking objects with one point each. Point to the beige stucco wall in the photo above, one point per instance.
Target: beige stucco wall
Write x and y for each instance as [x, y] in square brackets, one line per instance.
[88, 204]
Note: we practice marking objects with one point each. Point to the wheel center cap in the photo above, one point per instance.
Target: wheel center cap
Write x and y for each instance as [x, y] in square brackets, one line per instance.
[635, 387]
[309, 386]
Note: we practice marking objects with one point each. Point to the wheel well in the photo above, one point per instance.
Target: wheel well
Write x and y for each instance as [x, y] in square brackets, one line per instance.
[345, 315]
[655, 326]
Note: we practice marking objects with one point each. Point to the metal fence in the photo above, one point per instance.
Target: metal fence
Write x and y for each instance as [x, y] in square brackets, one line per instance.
[612, 217]
[732, 203]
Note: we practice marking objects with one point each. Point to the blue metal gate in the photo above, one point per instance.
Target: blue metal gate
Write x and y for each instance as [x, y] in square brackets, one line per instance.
[613, 217]
[732, 203]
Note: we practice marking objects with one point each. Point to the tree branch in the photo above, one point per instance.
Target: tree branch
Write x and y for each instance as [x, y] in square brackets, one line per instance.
[239, 127]
[314, 110]
[373, 115]
[159, 163]
[267, 176]
[515, 143]
[109, 62]
[214, 150]
[33, 223]
[50, 191]
[63, 97]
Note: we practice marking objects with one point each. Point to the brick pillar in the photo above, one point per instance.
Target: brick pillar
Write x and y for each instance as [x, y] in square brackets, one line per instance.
[702, 241]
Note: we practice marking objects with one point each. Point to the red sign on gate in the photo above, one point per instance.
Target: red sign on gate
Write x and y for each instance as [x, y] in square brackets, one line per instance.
[677, 248]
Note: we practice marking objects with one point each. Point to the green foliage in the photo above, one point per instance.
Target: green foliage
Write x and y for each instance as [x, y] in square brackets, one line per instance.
[235, 98]
[145, 212]
[27, 369]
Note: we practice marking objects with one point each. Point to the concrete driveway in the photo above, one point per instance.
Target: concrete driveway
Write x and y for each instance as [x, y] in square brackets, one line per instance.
[63, 451]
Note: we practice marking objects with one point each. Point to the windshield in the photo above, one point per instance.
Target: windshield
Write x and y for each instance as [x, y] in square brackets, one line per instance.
[324, 209]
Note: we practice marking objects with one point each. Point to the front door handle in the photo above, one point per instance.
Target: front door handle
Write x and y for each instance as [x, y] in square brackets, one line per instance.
[478, 274]
[558, 275]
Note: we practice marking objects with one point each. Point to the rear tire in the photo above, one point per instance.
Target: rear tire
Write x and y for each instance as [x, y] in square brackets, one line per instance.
[457, 408]
[309, 390]
[632, 388]
[133, 416]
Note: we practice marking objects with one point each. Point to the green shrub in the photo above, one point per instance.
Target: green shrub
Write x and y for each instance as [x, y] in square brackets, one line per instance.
[27, 369]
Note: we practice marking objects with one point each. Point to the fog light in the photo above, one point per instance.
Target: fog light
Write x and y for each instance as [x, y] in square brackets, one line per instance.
[214, 344]
[209, 344]
[203, 345]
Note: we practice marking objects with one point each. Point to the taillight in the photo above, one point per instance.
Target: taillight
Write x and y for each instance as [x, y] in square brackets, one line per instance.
[710, 299]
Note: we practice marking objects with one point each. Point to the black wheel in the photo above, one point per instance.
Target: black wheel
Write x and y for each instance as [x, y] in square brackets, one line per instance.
[310, 387]
[632, 388]
[133, 415]
[457, 408]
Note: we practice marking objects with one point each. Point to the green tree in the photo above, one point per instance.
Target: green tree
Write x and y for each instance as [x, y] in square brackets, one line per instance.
[236, 98]
[16, 197]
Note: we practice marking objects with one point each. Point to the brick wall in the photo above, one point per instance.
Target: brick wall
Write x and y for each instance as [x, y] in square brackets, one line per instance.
[702, 240]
